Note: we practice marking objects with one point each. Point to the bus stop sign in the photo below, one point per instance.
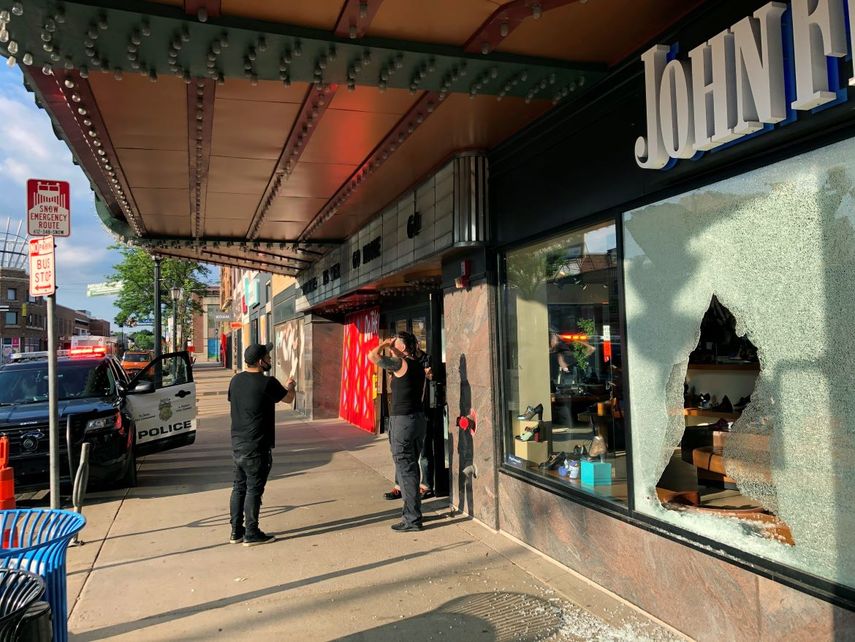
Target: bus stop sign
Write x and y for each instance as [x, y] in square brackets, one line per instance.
[42, 267]
[48, 208]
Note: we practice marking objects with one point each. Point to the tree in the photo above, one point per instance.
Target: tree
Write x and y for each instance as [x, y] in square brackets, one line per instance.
[143, 340]
[136, 300]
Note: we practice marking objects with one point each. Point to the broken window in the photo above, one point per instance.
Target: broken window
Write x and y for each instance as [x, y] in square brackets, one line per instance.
[744, 289]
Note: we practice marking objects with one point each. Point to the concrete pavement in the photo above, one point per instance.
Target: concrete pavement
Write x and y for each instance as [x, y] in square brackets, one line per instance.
[156, 564]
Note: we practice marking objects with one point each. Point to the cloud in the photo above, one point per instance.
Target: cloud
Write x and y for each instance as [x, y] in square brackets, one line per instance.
[29, 149]
[76, 256]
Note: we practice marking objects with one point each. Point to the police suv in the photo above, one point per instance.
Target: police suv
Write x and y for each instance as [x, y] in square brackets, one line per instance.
[121, 417]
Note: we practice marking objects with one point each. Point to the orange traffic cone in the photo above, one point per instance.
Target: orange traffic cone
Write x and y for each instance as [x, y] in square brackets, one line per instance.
[7, 493]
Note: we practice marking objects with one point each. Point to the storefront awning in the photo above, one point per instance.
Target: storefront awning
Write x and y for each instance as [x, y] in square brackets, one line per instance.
[261, 134]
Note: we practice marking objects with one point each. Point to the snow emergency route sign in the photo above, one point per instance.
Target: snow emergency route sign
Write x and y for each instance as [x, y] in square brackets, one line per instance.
[48, 208]
[42, 267]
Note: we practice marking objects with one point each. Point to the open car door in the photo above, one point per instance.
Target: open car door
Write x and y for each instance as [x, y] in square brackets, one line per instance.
[161, 399]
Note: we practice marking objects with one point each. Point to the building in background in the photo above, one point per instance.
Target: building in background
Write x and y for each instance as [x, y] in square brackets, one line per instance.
[205, 333]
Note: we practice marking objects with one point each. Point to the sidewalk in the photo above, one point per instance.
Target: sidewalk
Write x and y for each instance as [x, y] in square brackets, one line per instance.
[156, 565]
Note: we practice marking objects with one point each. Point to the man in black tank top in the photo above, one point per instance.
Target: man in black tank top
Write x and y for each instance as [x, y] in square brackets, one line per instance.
[406, 421]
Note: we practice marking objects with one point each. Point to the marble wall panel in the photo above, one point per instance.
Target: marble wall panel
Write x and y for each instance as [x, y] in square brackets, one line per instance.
[791, 615]
[700, 595]
[470, 365]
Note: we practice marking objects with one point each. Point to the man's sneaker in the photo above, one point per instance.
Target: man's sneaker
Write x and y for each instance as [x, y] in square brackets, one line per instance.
[403, 527]
[257, 538]
[237, 535]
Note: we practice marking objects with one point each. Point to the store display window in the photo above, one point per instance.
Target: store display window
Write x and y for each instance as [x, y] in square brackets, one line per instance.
[740, 351]
[564, 416]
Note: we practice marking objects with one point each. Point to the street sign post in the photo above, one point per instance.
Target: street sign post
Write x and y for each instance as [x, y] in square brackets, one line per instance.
[48, 216]
[43, 283]
[48, 208]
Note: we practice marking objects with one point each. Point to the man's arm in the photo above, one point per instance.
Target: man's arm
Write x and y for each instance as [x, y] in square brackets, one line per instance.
[282, 393]
[391, 363]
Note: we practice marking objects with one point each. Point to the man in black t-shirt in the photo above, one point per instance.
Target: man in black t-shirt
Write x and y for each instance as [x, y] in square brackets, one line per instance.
[253, 397]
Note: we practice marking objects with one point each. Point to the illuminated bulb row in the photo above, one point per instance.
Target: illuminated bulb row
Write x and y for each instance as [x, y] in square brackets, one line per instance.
[484, 78]
[86, 125]
[388, 70]
[450, 77]
[538, 87]
[321, 65]
[421, 73]
[371, 166]
[567, 89]
[513, 82]
[199, 137]
[283, 174]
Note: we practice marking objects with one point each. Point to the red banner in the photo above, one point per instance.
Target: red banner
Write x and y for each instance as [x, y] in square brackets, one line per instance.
[357, 372]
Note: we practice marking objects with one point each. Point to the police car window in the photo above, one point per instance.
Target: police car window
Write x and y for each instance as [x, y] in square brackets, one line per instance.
[23, 386]
[169, 371]
[84, 381]
[174, 372]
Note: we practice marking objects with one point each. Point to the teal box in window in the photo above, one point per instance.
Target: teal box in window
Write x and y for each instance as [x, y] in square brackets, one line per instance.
[595, 473]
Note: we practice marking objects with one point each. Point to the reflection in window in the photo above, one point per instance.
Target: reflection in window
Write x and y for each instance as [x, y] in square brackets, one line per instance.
[565, 417]
[764, 262]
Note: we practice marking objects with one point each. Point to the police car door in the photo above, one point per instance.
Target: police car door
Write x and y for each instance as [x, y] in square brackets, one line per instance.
[165, 417]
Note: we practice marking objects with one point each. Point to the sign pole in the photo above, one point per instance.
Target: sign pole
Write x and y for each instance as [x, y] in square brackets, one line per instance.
[48, 216]
[43, 283]
[53, 402]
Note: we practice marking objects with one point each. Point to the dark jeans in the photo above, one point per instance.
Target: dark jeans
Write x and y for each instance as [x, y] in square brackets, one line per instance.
[250, 473]
[406, 436]
[425, 460]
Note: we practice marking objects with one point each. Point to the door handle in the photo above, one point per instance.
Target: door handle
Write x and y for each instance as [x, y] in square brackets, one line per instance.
[182, 393]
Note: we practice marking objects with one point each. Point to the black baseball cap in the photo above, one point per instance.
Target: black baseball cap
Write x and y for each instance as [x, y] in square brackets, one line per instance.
[255, 352]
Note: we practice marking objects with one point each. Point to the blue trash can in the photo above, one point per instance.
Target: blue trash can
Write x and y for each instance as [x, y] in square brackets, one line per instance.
[36, 540]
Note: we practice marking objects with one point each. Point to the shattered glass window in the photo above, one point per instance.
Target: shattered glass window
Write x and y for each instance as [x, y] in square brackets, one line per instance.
[741, 352]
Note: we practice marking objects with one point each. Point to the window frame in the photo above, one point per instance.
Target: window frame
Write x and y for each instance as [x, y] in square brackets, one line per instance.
[15, 323]
[11, 289]
[577, 495]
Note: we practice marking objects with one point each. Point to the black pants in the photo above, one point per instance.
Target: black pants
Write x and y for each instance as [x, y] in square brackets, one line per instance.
[406, 436]
[250, 474]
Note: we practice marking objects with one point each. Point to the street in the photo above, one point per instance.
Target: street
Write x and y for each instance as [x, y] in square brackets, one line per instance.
[156, 564]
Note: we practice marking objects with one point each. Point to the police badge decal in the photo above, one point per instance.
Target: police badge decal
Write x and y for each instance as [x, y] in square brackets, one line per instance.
[165, 409]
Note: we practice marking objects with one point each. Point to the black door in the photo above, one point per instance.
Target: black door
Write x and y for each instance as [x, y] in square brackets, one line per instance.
[425, 321]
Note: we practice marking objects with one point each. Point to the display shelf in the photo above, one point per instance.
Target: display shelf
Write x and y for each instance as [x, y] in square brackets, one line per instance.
[533, 451]
[696, 412]
[744, 367]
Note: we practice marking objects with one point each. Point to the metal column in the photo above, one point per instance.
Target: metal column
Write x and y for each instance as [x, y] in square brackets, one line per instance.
[53, 429]
[157, 328]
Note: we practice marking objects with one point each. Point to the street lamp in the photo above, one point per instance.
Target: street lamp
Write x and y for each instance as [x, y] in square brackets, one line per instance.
[176, 293]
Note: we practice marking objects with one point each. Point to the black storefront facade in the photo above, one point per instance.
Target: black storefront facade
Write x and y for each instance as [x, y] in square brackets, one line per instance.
[688, 325]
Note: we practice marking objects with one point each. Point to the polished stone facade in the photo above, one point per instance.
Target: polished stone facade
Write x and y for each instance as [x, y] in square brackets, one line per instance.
[470, 366]
[700, 595]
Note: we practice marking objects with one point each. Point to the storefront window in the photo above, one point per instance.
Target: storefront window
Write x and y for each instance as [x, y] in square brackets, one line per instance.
[564, 417]
[741, 355]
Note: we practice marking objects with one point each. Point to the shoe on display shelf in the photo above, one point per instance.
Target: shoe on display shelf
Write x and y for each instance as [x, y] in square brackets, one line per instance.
[531, 411]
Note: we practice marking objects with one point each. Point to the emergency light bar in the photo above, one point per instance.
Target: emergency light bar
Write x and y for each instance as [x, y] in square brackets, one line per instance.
[76, 352]
[574, 337]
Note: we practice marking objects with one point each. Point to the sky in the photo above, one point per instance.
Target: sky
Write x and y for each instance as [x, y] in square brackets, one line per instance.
[29, 149]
